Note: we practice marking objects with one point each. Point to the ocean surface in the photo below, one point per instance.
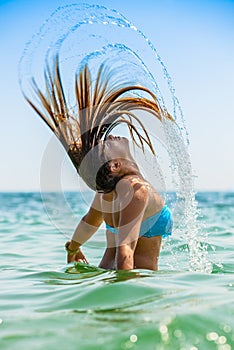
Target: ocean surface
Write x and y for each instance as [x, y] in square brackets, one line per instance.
[47, 304]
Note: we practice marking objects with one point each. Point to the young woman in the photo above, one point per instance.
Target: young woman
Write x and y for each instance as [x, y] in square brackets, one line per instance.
[136, 217]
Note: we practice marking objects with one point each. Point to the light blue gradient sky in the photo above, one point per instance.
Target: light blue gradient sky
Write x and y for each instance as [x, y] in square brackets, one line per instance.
[196, 42]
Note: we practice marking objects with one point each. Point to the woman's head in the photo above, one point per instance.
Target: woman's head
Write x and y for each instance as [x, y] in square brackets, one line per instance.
[101, 106]
[118, 162]
[105, 164]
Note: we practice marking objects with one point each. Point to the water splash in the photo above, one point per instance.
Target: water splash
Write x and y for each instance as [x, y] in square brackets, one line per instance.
[93, 34]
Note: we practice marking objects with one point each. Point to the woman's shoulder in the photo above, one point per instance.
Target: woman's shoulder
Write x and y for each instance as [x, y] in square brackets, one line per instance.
[143, 191]
[132, 185]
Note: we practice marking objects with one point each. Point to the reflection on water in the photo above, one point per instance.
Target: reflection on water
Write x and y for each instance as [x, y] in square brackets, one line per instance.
[80, 306]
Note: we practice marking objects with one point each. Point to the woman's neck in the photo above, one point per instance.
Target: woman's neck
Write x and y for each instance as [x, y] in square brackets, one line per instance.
[130, 168]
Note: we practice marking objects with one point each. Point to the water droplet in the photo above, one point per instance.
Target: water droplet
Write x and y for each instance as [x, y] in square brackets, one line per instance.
[212, 336]
[134, 28]
[163, 329]
[178, 333]
[225, 347]
[227, 328]
[133, 338]
[221, 340]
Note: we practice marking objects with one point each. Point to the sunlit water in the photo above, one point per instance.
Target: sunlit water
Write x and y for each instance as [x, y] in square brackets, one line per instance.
[46, 304]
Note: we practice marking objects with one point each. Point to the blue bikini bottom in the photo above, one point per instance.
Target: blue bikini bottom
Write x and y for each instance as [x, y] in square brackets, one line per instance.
[159, 224]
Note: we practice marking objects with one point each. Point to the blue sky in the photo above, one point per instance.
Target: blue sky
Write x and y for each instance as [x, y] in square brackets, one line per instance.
[196, 42]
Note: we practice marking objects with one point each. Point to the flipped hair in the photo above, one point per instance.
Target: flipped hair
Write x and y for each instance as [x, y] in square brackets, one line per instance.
[100, 106]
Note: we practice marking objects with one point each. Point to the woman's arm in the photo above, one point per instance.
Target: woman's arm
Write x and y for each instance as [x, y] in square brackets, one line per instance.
[85, 230]
[130, 220]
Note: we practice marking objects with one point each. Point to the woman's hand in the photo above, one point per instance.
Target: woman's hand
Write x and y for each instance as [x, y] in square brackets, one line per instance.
[78, 257]
[74, 252]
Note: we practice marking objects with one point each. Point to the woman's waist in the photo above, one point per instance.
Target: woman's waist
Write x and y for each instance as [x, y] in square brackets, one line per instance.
[147, 222]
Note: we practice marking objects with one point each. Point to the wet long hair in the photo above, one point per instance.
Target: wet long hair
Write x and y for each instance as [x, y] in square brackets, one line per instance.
[100, 106]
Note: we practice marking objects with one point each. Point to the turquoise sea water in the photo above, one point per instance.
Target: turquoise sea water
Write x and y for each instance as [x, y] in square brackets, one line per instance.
[47, 304]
